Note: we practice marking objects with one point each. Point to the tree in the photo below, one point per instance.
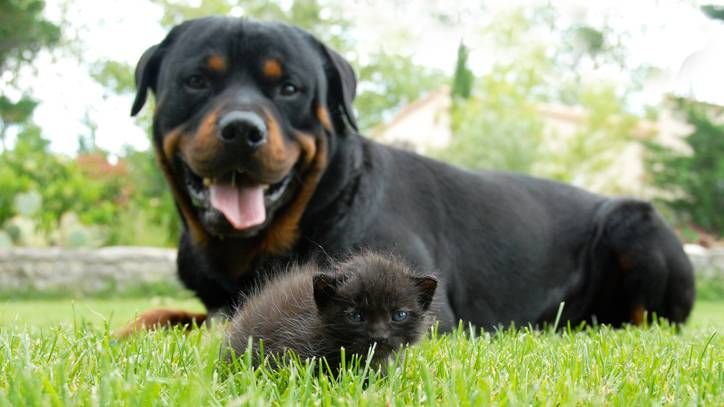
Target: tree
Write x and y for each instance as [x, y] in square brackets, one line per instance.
[713, 11]
[23, 33]
[500, 126]
[13, 114]
[462, 84]
[694, 179]
[64, 185]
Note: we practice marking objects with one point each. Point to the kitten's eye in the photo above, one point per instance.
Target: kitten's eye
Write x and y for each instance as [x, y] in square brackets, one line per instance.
[399, 315]
[288, 89]
[355, 316]
[196, 82]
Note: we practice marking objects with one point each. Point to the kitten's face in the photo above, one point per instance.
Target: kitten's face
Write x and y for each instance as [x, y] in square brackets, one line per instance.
[373, 300]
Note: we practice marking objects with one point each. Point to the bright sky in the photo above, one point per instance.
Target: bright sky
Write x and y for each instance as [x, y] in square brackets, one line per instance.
[678, 39]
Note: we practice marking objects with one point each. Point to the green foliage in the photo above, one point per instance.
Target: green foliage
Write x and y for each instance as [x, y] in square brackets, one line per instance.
[583, 156]
[389, 82]
[693, 179]
[321, 18]
[462, 84]
[85, 202]
[589, 39]
[498, 127]
[80, 363]
[713, 11]
[114, 76]
[24, 32]
[503, 124]
[150, 218]
[16, 112]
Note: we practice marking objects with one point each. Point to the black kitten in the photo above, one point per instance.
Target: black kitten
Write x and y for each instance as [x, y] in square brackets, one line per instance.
[369, 299]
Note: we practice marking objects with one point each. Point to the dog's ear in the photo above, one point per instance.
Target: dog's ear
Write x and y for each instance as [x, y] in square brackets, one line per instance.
[146, 76]
[148, 67]
[341, 86]
[426, 290]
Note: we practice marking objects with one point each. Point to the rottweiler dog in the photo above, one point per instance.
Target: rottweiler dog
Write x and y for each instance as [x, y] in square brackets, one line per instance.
[255, 132]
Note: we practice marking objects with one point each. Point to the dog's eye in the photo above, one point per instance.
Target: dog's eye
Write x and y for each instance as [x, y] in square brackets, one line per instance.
[196, 82]
[399, 315]
[288, 89]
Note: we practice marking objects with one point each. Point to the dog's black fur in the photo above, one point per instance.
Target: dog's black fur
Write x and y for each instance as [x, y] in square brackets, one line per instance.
[506, 247]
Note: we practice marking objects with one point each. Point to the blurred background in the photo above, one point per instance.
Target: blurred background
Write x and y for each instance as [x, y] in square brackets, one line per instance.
[618, 97]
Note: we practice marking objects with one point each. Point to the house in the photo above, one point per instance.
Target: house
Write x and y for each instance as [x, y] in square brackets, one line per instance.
[425, 126]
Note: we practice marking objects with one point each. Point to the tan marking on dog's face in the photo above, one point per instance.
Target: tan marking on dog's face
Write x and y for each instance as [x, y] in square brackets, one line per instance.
[638, 314]
[323, 116]
[284, 231]
[216, 63]
[164, 155]
[278, 155]
[625, 262]
[269, 164]
[201, 149]
[272, 69]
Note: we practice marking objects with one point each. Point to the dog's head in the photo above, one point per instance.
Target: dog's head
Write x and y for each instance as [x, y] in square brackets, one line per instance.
[244, 114]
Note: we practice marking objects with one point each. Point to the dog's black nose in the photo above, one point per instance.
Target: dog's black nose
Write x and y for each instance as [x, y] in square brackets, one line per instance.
[243, 128]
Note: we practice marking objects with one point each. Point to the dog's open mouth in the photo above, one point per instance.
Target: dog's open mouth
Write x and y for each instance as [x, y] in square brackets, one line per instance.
[244, 203]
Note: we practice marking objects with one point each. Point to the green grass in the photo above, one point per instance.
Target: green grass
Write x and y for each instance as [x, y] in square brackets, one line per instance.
[116, 312]
[63, 352]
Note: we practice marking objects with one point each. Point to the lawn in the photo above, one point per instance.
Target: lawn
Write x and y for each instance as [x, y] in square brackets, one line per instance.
[59, 352]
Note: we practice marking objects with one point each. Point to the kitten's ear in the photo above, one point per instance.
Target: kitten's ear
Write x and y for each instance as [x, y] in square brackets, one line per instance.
[325, 288]
[425, 290]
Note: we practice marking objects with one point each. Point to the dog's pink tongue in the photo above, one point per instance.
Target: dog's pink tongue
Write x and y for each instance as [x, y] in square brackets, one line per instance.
[243, 207]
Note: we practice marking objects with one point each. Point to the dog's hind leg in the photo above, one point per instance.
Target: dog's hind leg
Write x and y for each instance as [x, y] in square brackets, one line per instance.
[647, 269]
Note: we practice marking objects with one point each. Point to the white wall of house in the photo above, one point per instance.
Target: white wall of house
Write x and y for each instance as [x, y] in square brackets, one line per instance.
[424, 125]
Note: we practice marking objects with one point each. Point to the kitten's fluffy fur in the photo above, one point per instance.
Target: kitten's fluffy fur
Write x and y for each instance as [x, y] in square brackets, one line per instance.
[368, 299]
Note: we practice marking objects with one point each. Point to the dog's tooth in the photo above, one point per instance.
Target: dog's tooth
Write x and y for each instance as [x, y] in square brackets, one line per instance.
[208, 182]
[264, 187]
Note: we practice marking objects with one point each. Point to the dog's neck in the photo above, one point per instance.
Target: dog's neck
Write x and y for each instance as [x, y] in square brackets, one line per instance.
[345, 161]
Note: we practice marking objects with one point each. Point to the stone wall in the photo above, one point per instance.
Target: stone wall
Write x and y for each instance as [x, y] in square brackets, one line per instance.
[56, 269]
[708, 263]
[84, 270]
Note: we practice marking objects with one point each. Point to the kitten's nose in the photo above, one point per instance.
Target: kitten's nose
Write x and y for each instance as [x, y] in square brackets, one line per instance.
[379, 333]
[380, 336]
[380, 340]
